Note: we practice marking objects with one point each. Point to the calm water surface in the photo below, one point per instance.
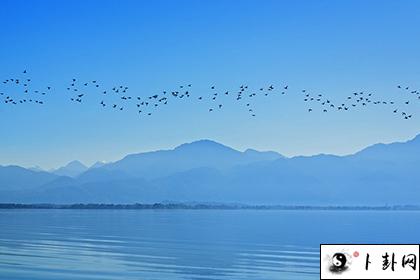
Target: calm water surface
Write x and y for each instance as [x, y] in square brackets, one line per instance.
[185, 244]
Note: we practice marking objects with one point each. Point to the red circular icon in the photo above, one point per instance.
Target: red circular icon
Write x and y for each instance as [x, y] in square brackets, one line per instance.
[356, 254]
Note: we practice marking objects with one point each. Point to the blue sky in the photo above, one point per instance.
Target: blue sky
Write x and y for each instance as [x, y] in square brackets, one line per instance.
[328, 47]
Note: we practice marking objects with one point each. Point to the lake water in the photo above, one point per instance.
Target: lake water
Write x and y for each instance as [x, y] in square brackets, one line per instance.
[185, 244]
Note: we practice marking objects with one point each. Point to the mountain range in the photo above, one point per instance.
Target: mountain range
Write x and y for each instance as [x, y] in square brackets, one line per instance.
[207, 171]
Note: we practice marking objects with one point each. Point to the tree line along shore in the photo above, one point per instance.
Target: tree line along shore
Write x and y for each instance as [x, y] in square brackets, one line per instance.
[204, 206]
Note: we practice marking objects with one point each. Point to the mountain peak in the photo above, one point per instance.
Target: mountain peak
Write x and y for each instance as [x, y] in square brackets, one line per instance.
[397, 151]
[75, 164]
[204, 144]
[266, 155]
[97, 164]
[71, 169]
[36, 168]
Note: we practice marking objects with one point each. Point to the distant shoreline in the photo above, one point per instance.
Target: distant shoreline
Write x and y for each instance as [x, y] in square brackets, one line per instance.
[180, 206]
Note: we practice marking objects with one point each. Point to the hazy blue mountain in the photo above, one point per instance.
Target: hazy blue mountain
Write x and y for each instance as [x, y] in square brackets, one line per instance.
[102, 175]
[17, 183]
[401, 151]
[36, 168]
[97, 164]
[18, 178]
[208, 171]
[255, 156]
[69, 190]
[72, 169]
[203, 153]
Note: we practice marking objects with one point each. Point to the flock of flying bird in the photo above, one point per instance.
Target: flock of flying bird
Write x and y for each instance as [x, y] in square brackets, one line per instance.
[20, 91]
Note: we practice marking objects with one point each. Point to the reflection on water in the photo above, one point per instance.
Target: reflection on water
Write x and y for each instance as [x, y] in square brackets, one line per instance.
[185, 244]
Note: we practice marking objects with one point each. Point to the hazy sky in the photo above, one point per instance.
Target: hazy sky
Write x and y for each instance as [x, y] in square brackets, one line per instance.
[328, 47]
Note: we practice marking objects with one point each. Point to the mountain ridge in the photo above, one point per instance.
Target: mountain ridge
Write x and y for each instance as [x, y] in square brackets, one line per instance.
[209, 171]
